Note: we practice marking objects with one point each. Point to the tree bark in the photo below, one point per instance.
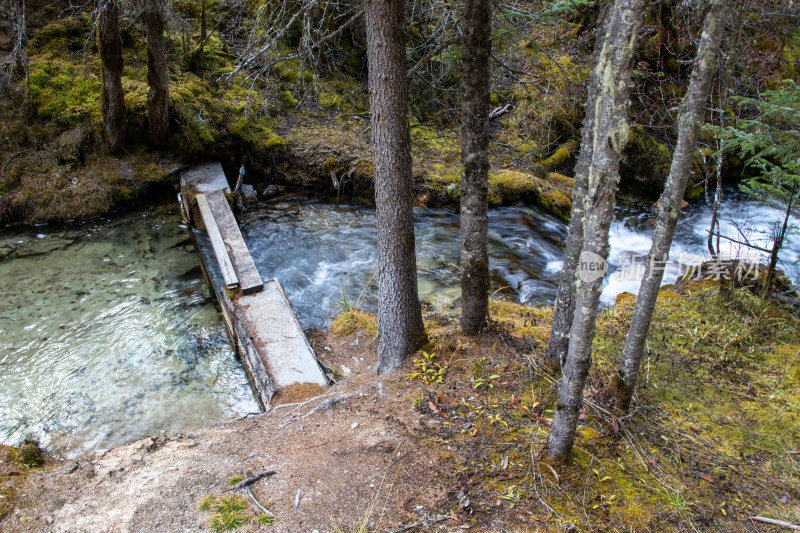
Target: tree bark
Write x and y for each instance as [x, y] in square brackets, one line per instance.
[113, 98]
[610, 135]
[564, 306]
[400, 327]
[692, 115]
[157, 77]
[475, 161]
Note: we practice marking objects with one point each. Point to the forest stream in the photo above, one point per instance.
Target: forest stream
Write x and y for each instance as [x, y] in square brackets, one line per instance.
[109, 334]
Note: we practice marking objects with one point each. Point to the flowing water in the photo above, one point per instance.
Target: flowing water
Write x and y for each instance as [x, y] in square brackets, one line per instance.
[325, 255]
[111, 335]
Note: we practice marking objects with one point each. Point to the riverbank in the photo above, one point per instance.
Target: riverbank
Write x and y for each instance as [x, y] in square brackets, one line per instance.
[454, 439]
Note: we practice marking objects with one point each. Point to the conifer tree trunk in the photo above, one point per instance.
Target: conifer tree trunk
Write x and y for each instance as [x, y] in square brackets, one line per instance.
[475, 162]
[610, 135]
[692, 114]
[400, 327]
[157, 77]
[564, 306]
[113, 98]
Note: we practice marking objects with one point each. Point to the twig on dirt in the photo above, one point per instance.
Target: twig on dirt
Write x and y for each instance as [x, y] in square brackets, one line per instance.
[260, 507]
[425, 522]
[775, 522]
[330, 402]
[251, 480]
[238, 418]
[297, 500]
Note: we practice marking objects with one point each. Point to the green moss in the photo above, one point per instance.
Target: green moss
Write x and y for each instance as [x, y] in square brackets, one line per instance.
[288, 100]
[790, 58]
[343, 94]
[506, 186]
[649, 154]
[59, 36]
[30, 455]
[430, 143]
[67, 93]
[556, 203]
[197, 109]
[443, 176]
[551, 115]
[560, 156]
[255, 131]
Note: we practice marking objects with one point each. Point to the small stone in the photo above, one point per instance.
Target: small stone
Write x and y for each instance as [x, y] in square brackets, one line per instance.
[248, 194]
[784, 499]
[354, 425]
[346, 371]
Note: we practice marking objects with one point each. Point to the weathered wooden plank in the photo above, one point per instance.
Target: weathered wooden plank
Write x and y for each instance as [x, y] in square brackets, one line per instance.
[262, 383]
[205, 177]
[275, 332]
[217, 242]
[249, 278]
[202, 178]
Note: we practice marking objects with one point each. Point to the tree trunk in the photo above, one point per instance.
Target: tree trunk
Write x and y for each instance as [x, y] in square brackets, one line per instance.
[475, 161]
[610, 135]
[692, 115]
[157, 78]
[113, 98]
[777, 244]
[564, 306]
[203, 35]
[400, 328]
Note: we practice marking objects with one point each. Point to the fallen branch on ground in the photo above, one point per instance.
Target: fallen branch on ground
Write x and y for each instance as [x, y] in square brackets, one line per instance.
[251, 480]
[500, 111]
[775, 522]
[260, 507]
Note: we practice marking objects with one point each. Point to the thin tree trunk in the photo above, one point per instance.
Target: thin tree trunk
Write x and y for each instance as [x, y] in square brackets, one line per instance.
[400, 327]
[613, 74]
[203, 34]
[158, 97]
[475, 161]
[564, 306]
[714, 226]
[691, 117]
[778, 243]
[113, 98]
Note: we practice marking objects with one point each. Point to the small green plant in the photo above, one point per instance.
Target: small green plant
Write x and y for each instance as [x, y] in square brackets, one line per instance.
[234, 480]
[512, 495]
[485, 383]
[265, 519]
[229, 511]
[427, 369]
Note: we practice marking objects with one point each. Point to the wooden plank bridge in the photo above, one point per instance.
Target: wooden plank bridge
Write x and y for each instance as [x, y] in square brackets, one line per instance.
[259, 316]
